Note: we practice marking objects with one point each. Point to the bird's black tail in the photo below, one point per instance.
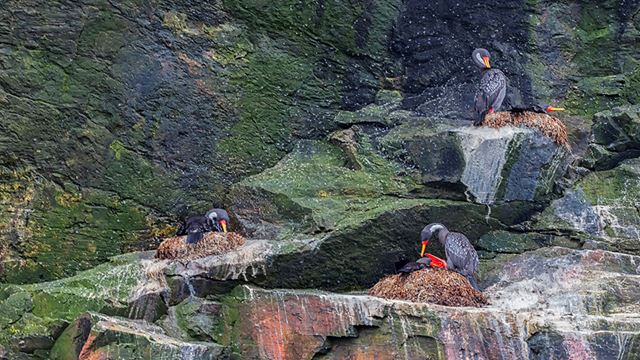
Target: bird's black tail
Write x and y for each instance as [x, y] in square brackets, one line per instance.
[480, 118]
[194, 237]
[472, 281]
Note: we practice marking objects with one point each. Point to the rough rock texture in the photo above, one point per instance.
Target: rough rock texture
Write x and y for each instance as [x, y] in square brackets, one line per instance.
[39, 311]
[554, 295]
[572, 299]
[492, 165]
[602, 207]
[616, 136]
[335, 130]
[102, 337]
[116, 115]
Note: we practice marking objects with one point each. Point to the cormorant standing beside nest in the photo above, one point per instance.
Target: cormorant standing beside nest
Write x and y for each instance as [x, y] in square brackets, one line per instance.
[492, 88]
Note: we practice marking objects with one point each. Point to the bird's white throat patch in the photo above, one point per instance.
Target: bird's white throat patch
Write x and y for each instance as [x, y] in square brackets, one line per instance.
[479, 58]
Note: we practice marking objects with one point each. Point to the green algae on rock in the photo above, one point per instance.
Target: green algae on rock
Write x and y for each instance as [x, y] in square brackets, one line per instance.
[38, 310]
[603, 206]
[97, 336]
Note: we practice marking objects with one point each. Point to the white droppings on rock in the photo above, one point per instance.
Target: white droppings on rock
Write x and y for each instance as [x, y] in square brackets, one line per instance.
[486, 151]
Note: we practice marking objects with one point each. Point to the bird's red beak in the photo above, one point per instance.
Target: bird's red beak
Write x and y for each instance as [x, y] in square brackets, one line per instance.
[485, 60]
[223, 223]
[551, 109]
[424, 247]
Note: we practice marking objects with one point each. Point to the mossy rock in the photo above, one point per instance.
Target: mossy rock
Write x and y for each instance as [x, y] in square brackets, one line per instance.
[40, 309]
[602, 205]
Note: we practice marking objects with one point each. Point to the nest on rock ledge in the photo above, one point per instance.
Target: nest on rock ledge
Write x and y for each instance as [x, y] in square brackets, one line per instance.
[548, 125]
[212, 243]
[437, 286]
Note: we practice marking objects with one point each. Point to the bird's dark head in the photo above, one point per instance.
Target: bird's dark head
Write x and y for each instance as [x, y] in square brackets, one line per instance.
[481, 58]
[219, 217]
[427, 232]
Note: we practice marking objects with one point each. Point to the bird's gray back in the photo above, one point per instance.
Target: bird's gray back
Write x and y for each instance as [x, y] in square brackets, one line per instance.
[461, 254]
[491, 90]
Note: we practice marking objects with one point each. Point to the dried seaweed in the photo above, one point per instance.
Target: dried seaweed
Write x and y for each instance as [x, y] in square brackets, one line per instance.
[548, 125]
[212, 243]
[436, 286]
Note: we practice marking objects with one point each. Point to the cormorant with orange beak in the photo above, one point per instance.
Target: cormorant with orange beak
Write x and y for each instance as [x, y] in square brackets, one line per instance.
[461, 256]
[219, 219]
[492, 88]
[214, 220]
[542, 109]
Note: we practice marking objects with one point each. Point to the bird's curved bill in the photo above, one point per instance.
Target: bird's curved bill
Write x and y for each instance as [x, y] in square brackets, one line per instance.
[551, 108]
[485, 60]
[223, 223]
[424, 247]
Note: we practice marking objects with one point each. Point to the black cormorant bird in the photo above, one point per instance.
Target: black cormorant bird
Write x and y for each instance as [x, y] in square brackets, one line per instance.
[412, 266]
[219, 219]
[461, 256]
[195, 226]
[492, 88]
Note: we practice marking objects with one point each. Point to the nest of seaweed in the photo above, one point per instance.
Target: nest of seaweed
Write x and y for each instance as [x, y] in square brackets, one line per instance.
[437, 286]
[548, 125]
[212, 243]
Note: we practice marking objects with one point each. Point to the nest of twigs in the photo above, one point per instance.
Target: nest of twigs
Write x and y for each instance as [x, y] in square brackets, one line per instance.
[212, 243]
[435, 286]
[548, 125]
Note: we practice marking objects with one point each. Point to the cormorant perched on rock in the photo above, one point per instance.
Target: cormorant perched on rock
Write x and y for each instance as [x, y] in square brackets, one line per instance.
[461, 256]
[492, 88]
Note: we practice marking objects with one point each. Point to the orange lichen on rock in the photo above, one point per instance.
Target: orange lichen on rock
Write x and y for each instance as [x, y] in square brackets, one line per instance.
[548, 125]
[437, 286]
[212, 243]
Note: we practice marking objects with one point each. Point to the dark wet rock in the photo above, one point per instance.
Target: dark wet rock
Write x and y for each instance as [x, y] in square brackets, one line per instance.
[616, 136]
[435, 41]
[515, 243]
[544, 304]
[118, 118]
[547, 345]
[492, 165]
[30, 344]
[149, 307]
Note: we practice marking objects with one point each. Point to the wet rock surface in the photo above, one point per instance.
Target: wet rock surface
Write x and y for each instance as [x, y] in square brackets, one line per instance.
[616, 137]
[602, 207]
[334, 132]
[104, 337]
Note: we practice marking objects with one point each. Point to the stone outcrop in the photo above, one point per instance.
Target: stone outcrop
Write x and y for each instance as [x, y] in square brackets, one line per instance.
[602, 209]
[616, 137]
[334, 131]
[491, 165]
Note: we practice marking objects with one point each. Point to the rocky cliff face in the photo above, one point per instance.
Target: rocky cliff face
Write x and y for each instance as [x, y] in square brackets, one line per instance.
[334, 131]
